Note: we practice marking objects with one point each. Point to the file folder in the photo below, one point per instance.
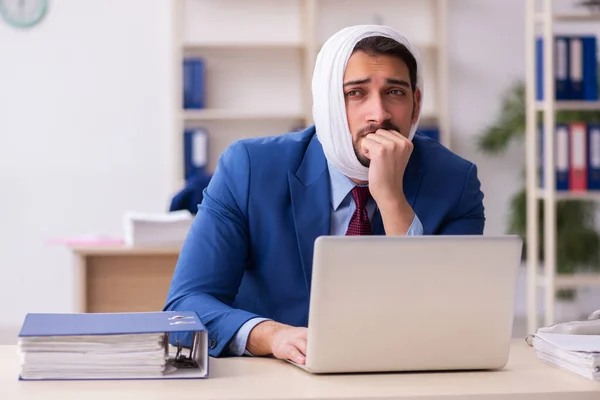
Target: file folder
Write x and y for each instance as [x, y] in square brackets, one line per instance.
[590, 68]
[88, 346]
[195, 145]
[194, 83]
[561, 158]
[562, 61]
[583, 68]
[576, 68]
[578, 169]
[593, 148]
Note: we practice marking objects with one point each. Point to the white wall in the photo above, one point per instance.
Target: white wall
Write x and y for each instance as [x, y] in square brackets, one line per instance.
[486, 54]
[84, 135]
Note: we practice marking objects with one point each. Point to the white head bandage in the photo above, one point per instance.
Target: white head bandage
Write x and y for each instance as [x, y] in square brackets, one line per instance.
[329, 108]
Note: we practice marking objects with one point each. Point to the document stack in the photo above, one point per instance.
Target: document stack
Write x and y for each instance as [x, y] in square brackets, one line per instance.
[162, 229]
[572, 346]
[111, 346]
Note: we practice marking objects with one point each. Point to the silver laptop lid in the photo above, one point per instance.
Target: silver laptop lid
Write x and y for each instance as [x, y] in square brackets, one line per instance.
[412, 303]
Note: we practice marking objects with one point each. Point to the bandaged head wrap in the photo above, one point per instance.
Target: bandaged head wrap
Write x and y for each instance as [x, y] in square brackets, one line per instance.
[329, 108]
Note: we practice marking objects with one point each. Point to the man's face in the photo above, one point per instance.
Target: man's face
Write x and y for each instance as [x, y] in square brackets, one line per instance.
[378, 95]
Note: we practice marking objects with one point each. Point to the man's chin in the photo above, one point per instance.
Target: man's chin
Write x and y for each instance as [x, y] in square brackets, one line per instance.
[362, 158]
[364, 161]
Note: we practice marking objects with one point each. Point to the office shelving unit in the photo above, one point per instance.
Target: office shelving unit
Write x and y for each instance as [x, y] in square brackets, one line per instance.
[260, 56]
[546, 18]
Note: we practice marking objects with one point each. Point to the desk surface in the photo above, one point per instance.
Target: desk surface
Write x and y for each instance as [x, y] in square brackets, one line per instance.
[525, 377]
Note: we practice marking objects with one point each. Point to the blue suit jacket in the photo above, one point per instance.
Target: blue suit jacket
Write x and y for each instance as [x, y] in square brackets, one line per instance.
[250, 248]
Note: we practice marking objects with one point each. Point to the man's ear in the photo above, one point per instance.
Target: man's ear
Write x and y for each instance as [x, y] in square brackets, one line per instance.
[416, 105]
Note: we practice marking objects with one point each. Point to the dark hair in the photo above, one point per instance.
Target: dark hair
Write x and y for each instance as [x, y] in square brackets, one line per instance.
[380, 45]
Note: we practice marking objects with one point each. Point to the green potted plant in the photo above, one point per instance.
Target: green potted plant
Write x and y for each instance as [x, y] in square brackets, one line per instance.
[578, 242]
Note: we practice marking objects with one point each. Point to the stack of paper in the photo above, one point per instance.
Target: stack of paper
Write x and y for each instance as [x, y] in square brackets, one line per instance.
[166, 229]
[93, 357]
[579, 354]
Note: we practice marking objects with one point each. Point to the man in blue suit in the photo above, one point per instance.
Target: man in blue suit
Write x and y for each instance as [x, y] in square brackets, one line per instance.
[246, 264]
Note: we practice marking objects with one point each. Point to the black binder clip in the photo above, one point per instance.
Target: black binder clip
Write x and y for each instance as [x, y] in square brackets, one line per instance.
[182, 360]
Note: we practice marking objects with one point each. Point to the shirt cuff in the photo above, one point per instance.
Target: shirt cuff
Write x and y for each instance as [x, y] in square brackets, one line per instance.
[238, 344]
[416, 228]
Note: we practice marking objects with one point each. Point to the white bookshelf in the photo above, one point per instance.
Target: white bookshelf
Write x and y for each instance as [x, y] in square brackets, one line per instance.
[241, 45]
[566, 17]
[564, 105]
[571, 282]
[543, 23]
[248, 115]
[567, 195]
[260, 56]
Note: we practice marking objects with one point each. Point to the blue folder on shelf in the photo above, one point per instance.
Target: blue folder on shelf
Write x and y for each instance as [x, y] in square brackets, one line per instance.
[113, 346]
[593, 148]
[195, 151]
[562, 157]
[562, 68]
[583, 68]
[194, 83]
[590, 68]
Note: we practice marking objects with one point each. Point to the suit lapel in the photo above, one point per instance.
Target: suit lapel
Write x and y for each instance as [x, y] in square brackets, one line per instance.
[310, 197]
[412, 181]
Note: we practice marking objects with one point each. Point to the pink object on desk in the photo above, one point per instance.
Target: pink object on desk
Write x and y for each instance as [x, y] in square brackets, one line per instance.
[87, 241]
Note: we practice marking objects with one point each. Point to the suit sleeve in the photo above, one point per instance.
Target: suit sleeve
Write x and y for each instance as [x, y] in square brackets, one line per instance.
[213, 258]
[469, 216]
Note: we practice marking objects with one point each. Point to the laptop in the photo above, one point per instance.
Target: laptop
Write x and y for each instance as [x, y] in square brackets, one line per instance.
[411, 303]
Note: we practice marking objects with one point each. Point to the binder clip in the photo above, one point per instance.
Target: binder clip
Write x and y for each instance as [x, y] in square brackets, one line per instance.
[184, 359]
[181, 360]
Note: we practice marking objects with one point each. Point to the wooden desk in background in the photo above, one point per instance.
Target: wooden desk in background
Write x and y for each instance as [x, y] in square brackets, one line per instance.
[122, 278]
[524, 378]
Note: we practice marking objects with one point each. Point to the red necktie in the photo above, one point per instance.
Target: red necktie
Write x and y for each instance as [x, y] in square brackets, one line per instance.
[359, 223]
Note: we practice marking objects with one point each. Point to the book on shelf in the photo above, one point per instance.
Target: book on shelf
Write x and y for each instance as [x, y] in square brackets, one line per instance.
[194, 83]
[577, 156]
[575, 68]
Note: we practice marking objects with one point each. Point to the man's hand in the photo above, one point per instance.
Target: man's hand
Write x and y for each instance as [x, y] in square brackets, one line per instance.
[389, 153]
[282, 341]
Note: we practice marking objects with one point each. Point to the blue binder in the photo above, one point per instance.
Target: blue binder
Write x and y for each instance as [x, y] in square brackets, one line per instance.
[593, 161]
[194, 83]
[590, 68]
[561, 159]
[561, 67]
[583, 68]
[195, 151]
[186, 366]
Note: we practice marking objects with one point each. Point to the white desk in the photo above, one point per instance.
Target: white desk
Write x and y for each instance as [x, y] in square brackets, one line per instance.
[525, 377]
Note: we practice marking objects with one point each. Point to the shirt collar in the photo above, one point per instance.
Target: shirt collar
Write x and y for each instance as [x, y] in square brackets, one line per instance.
[341, 185]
